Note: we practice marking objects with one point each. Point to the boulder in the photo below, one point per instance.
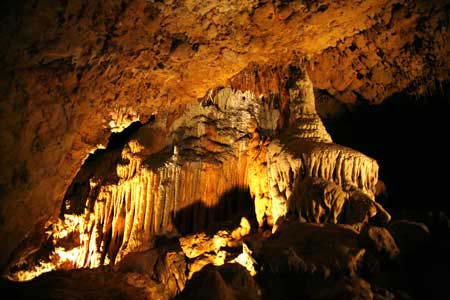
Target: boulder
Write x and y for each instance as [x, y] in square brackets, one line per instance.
[379, 240]
[411, 237]
[305, 249]
[227, 282]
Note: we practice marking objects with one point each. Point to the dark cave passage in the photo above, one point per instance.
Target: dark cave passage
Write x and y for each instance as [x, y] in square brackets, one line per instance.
[407, 135]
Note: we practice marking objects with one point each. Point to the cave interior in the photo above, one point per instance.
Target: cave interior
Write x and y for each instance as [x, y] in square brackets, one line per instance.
[253, 150]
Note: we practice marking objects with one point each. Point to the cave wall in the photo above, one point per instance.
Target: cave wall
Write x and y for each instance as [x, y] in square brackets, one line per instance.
[72, 72]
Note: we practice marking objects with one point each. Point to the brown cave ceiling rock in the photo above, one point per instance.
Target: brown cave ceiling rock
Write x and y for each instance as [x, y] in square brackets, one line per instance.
[72, 72]
[405, 50]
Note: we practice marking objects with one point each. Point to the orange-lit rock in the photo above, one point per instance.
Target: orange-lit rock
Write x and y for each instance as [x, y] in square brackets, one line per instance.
[305, 149]
[318, 201]
[312, 249]
[202, 171]
[244, 229]
[203, 250]
[88, 284]
[380, 240]
[227, 282]
[216, 166]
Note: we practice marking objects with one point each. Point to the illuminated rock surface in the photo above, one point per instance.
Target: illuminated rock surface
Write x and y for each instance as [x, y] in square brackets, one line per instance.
[214, 152]
[182, 195]
[227, 282]
[197, 175]
[247, 177]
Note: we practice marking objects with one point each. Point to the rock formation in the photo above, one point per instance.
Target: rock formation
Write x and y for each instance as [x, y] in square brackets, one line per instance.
[198, 174]
[157, 145]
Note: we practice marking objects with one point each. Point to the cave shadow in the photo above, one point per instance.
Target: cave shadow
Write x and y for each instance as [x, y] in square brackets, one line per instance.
[225, 215]
[407, 136]
[101, 162]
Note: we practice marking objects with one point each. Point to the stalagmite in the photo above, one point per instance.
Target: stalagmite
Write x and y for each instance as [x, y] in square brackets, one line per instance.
[304, 150]
[183, 175]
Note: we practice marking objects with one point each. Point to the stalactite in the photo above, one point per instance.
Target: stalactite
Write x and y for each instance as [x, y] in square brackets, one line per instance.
[173, 190]
[187, 182]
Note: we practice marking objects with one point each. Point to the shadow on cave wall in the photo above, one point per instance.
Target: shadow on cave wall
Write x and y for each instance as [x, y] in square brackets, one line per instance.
[101, 164]
[231, 206]
[408, 137]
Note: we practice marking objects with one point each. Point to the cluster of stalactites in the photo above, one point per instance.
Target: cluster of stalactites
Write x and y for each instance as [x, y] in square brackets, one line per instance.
[346, 167]
[284, 171]
[127, 216]
[181, 186]
[124, 217]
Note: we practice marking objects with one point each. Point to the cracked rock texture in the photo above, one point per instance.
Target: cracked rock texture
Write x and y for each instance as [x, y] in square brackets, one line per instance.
[72, 72]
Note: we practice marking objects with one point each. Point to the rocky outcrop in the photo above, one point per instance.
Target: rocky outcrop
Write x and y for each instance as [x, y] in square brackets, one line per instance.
[164, 267]
[411, 237]
[85, 284]
[379, 240]
[311, 261]
[73, 72]
[312, 249]
[191, 173]
[304, 150]
[227, 282]
[321, 261]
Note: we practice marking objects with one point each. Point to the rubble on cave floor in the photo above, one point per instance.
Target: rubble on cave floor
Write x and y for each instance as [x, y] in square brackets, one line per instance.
[300, 260]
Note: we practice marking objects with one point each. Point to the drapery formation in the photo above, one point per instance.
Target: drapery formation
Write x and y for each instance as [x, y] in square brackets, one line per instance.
[185, 174]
